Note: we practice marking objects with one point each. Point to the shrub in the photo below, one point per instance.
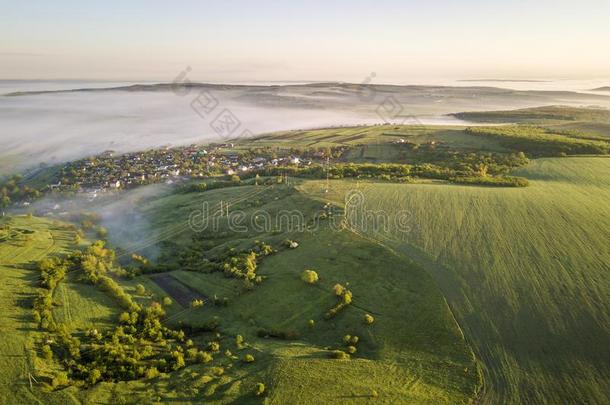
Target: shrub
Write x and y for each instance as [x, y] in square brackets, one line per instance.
[347, 297]
[47, 353]
[339, 355]
[338, 289]
[248, 358]
[60, 380]
[151, 373]
[239, 341]
[311, 323]
[351, 349]
[309, 276]
[167, 301]
[368, 319]
[140, 290]
[259, 389]
[214, 346]
[197, 303]
[204, 357]
[94, 376]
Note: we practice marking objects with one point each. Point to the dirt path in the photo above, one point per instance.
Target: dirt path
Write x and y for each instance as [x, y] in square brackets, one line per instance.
[177, 290]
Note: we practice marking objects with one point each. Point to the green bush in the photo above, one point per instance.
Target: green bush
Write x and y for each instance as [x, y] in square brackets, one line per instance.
[309, 276]
[368, 319]
[339, 355]
[259, 389]
[60, 380]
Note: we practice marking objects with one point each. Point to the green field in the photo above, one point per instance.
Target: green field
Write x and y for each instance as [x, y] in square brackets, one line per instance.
[415, 337]
[524, 271]
[480, 295]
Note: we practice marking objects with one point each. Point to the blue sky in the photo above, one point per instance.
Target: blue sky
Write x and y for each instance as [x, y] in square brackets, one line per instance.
[304, 40]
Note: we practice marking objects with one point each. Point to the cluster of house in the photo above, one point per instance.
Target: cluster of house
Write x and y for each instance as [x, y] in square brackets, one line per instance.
[235, 164]
[108, 172]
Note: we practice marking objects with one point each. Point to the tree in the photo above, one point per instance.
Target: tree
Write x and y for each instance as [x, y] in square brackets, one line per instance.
[167, 301]
[347, 297]
[239, 341]
[60, 379]
[309, 276]
[140, 290]
[338, 289]
[339, 354]
[47, 353]
[94, 376]
[368, 319]
[248, 358]
[351, 349]
[197, 303]
[259, 389]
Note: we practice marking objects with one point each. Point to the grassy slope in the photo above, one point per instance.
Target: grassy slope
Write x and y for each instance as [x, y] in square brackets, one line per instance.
[18, 333]
[415, 338]
[588, 121]
[524, 270]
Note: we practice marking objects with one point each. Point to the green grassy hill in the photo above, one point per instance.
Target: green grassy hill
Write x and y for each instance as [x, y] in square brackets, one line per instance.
[414, 338]
[524, 271]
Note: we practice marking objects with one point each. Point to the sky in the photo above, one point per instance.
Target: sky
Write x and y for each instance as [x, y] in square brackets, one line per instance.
[249, 41]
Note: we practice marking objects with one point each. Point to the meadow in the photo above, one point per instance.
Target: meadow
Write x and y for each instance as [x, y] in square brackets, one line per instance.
[524, 271]
[424, 291]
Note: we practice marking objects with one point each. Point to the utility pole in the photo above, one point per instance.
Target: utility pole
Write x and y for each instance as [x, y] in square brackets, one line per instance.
[327, 174]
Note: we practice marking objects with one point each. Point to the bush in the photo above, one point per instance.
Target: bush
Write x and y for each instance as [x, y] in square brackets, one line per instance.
[311, 323]
[239, 341]
[167, 301]
[309, 276]
[368, 319]
[339, 355]
[60, 380]
[351, 349]
[248, 358]
[204, 357]
[47, 353]
[140, 290]
[259, 389]
[338, 289]
[197, 303]
[151, 373]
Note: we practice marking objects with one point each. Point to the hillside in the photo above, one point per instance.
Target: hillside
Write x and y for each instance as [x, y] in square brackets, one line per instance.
[535, 306]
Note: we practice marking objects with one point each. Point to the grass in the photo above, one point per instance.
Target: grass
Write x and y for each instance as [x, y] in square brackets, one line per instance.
[523, 270]
[83, 306]
[37, 239]
[415, 336]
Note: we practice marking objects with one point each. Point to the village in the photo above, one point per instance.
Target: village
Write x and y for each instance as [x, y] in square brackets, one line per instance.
[110, 171]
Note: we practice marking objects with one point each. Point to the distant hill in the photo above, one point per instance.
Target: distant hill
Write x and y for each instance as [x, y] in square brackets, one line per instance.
[605, 88]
